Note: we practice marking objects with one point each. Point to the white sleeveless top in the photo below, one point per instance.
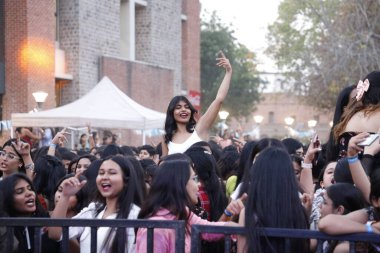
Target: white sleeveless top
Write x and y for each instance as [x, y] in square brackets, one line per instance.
[182, 147]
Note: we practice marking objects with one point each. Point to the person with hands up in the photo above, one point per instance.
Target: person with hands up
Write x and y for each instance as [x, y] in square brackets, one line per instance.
[181, 127]
[59, 140]
[116, 191]
[15, 157]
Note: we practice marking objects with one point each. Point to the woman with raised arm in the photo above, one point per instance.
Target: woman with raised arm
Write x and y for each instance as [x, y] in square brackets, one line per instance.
[181, 127]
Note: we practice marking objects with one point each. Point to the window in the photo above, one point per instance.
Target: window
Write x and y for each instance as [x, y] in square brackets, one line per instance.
[271, 117]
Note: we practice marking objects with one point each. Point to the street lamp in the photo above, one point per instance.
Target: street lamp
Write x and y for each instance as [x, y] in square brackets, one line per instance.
[289, 121]
[312, 123]
[223, 115]
[258, 119]
[40, 97]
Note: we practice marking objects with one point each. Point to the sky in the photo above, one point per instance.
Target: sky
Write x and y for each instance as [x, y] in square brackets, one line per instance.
[250, 19]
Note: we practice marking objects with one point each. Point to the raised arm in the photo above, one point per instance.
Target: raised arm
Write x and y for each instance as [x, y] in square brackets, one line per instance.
[70, 187]
[358, 174]
[205, 122]
[58, 140]
[306, 177]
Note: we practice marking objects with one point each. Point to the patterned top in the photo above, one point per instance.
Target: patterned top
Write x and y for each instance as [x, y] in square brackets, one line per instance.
[204, 201]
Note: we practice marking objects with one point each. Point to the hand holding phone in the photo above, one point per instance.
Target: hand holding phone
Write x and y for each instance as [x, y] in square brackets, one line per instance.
[221, 54]
[315, 141]
[369, 140]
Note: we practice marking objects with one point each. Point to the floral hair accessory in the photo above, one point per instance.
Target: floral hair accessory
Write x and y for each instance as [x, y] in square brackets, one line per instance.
[361, 88]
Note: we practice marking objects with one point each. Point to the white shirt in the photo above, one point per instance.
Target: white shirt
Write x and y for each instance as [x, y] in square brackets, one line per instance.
[84, 233]
[182, 147]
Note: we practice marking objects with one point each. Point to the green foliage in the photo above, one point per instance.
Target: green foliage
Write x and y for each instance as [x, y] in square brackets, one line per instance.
[243, 93]
[324, 46]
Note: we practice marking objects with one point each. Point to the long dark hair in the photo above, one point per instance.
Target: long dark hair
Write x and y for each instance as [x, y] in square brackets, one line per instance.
[244, 160]
[258, 147]
[205, 168]
[7, 187]
[124, 201]
[49, 170]
[332, 151]
[168, 190]
[273, 201]
[170, 123]
[346, 195]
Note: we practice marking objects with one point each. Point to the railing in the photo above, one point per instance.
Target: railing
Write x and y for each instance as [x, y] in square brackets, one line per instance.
[38, 223]
[178, 226]
[197, 230]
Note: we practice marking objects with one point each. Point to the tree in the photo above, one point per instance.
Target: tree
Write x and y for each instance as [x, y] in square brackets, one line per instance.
[243, 93]
[323, 46]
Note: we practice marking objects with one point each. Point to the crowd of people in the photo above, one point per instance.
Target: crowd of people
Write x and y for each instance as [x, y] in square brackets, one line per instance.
[332, 187]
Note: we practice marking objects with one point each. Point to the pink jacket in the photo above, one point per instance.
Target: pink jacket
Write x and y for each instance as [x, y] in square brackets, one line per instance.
[164, 239]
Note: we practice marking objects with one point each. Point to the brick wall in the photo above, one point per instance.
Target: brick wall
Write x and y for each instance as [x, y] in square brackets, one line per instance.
[29, 52]
[191, 45]
[158, 36]
[88, 29]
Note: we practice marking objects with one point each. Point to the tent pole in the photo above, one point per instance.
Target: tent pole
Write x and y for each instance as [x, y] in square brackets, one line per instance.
[144, 137]
[72, 139]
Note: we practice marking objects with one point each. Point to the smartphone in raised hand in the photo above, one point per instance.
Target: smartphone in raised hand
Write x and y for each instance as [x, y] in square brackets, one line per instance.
[369, 140]
[221, 54]
[315, 141]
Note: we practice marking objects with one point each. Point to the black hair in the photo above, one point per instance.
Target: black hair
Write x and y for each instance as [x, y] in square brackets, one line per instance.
[10, 143]
[150, 149]
[171, 124]
[258, 147]
[244, 160]
[111, 149]
[91, 173]
[273, 203]
[125, 199]
[201, 144]
[48, 171]
[68, 155]
[141, 190]
[216, 150]
[86, 156]
[292, 145]
[342, 173]
[127, 150]
[205, 168]
[81, 195]
[228, 163]
[168, 190]
[7, 187]
[346, 195]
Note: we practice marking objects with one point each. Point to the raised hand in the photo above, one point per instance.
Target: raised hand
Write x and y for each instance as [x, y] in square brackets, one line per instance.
[60, 138]
[223, 62]
[23, 148]
[353, 147]
[235, 206]
[72, 185]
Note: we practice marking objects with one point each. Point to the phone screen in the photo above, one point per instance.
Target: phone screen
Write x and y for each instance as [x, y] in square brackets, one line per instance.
[369, 140]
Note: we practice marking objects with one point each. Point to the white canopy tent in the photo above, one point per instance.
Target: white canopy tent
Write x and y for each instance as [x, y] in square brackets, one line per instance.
[105, 106]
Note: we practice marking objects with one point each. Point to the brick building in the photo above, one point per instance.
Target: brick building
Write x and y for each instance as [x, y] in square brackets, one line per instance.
[148, 48]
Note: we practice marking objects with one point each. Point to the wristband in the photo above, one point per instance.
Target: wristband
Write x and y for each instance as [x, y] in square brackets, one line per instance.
[306, 165]
[369, 227]
[352, 159]
[227, 213]
[53, 145]
[30, 167]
